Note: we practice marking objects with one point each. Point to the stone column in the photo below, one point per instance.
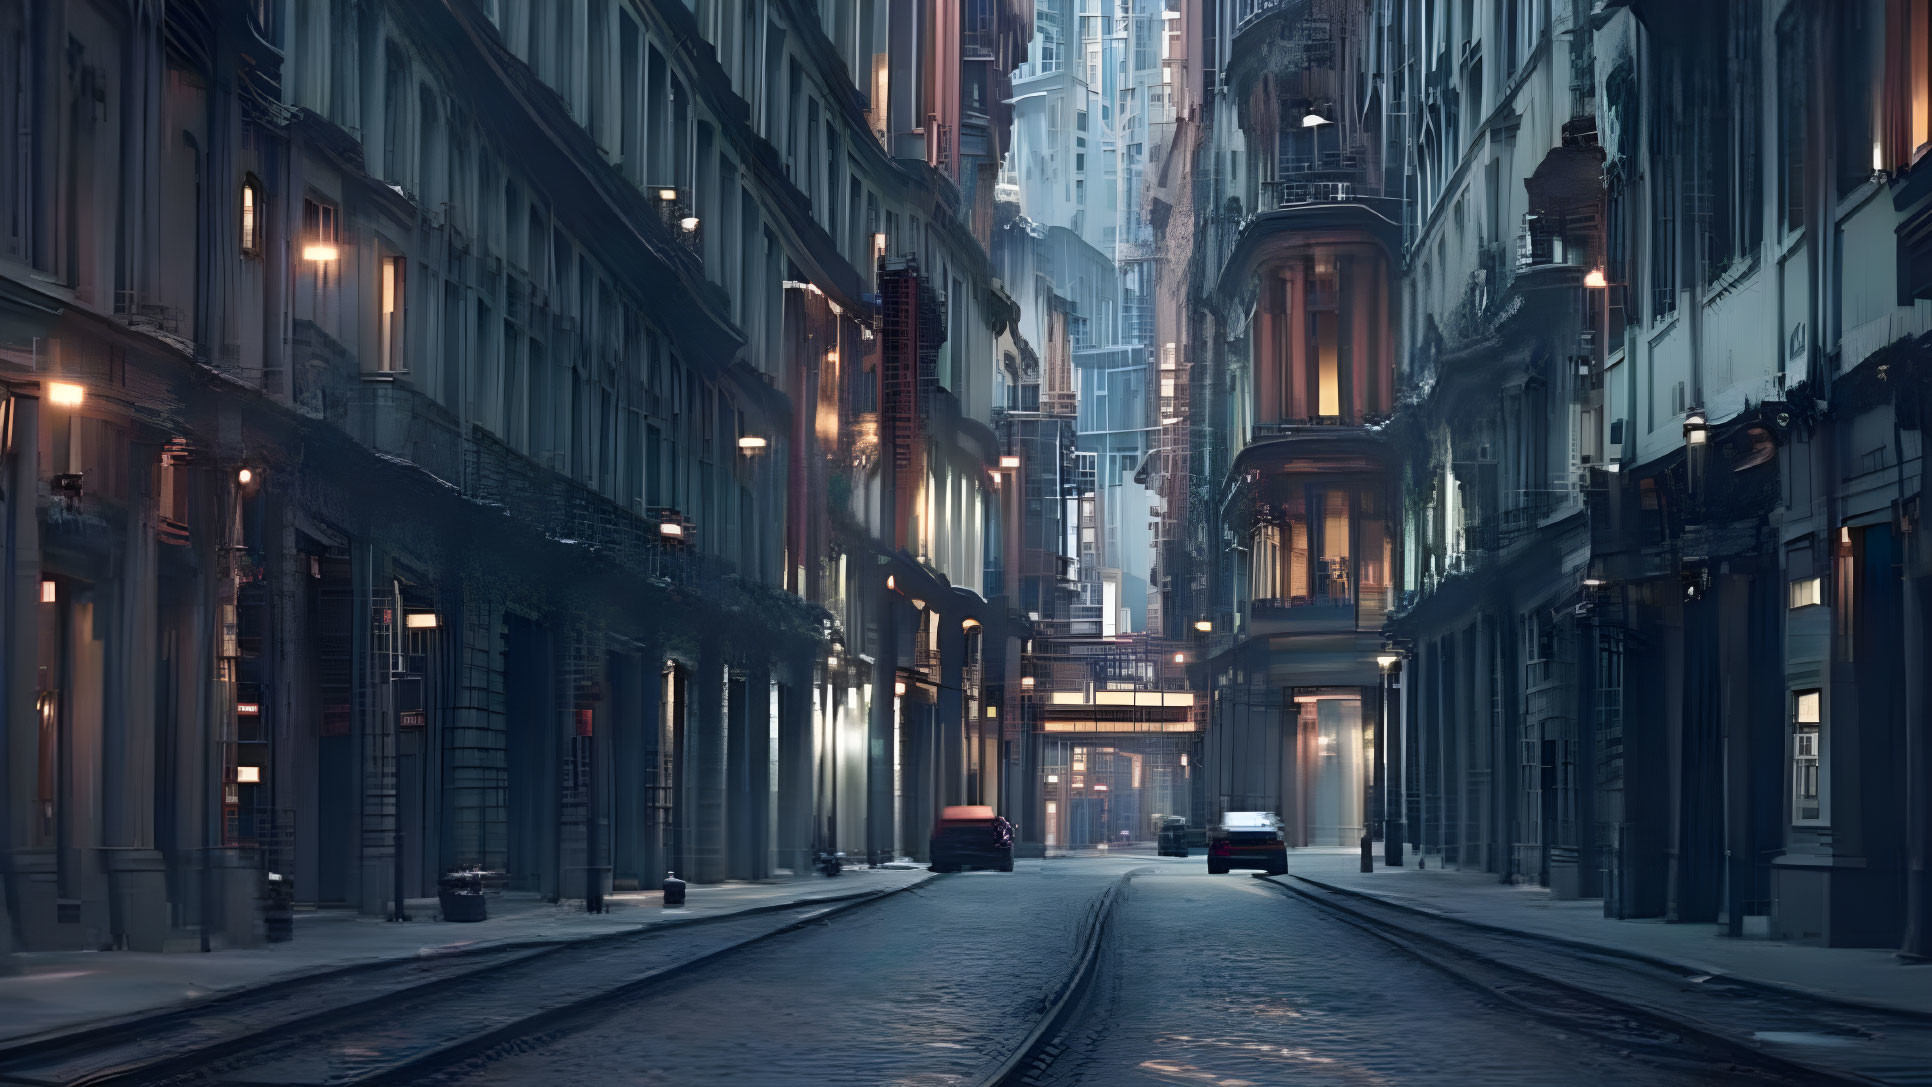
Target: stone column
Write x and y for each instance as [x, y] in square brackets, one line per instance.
[644, 768]
[757, 803]
[951, 707]
[881, 750]
[795, 764]
[705, 753]
[137, 880]
[30, 891]
[1917, 944]
[738, 799]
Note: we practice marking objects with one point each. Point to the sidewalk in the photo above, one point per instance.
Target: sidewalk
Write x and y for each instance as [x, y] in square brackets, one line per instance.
[42, 992]
[1861, 976]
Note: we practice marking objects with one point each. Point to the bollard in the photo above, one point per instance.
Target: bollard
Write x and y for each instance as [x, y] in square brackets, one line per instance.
[278, 908]
[673, 890]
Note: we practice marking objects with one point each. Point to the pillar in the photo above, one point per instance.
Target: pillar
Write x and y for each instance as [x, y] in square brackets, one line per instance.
[706, 756]
[1394, 795]
[137, 880]
[1917, 942]
[29, 873]
[758, 774]
[737, 774]
[795, 763]
[951, 707]
[881, 748]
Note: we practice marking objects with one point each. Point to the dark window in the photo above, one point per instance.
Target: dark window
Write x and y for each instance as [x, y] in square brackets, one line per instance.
[1853, 116]
[1794, 91]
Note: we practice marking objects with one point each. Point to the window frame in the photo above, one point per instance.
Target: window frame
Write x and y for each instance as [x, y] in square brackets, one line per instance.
[392, 323]
[252, 212]
[1808, 761]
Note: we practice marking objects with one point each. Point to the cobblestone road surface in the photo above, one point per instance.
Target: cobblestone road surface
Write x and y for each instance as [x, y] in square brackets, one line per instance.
[1203, 981]
[1223, 981]
[930, 987]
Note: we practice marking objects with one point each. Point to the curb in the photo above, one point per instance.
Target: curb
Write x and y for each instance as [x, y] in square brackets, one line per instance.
[118, 1027]
[1778, 988]
[1403, 940]
[1027, 1052]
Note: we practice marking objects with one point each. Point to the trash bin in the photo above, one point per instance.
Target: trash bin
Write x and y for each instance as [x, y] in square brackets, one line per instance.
[673, 890]
[460, 894]
[278, 907]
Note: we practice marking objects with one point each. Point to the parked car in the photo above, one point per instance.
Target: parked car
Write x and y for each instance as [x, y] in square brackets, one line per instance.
[1248, 839]
[1172, 839]
[971, 836]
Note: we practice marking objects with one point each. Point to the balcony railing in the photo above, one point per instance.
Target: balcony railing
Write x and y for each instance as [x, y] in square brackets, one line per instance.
[1247, 11]
[1287, 194]
[568, 511]
[1504, 527]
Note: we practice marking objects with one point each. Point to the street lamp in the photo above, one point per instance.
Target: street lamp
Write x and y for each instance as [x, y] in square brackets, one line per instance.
[1696, 432]
[1388, 760]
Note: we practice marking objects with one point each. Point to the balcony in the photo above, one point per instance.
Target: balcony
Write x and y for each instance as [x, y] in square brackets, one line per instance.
[1502, 528]
[1249, 12]
[1335, 607]
[1288, 194]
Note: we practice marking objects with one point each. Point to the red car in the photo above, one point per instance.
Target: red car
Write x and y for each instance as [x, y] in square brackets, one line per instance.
[971, 836]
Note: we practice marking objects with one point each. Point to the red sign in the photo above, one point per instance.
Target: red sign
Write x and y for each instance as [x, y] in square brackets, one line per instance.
[583, 722]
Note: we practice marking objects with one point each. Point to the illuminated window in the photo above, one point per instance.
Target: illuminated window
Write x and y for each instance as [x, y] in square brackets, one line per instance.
[1807, 591]
[1807, 794]
[389, 326]
[319, 234]
[251, 217]
[1918, 77]
[1328, 364]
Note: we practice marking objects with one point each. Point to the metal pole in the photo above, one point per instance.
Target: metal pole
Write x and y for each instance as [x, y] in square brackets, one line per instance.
[1371, 765]
[395, 795]
[593, 880]
[1393, 795]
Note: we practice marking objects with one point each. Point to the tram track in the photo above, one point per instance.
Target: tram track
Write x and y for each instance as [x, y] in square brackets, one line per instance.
[1652, 1009]
[506, 1015]
[316, 1027]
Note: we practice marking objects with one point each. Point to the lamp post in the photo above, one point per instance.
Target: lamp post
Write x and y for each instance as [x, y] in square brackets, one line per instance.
[1388, 743]
[1316, 121]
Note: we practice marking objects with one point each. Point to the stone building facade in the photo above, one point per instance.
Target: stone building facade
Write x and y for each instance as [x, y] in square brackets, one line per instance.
[470, 433]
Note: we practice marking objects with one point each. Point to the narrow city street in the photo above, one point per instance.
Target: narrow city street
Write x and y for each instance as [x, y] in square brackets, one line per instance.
[956, 543]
